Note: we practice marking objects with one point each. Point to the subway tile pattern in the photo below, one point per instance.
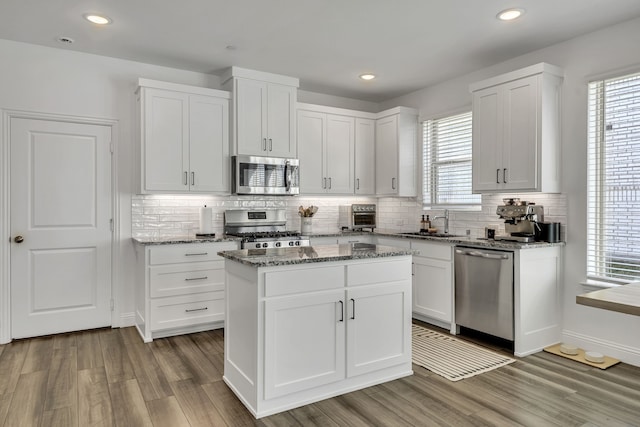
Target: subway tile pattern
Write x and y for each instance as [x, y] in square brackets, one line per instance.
[167, 216]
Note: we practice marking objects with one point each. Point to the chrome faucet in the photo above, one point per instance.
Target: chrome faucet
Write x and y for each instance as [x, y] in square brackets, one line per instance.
[446, 220]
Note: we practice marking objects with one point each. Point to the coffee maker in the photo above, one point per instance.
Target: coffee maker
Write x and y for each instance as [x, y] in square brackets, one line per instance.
[520, 220]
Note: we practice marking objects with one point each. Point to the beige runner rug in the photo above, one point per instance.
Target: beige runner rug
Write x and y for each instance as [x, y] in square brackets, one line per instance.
[452, 358]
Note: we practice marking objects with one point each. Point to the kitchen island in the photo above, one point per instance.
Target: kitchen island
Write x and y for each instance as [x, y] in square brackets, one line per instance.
[305, 324]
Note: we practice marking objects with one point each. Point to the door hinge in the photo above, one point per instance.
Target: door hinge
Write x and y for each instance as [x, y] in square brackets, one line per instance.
[111, 304]
[111, 224]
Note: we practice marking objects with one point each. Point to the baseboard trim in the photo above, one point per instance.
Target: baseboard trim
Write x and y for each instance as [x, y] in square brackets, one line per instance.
[626, 354]
[126, 320]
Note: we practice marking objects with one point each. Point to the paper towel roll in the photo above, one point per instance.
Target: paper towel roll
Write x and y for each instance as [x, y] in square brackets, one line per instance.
[206, 216]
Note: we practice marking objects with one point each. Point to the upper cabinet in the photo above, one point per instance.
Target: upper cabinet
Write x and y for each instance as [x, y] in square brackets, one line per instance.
[365, 155]
[263, 112]
[396, 152]
[336, 150]
[516, 131]
[184, 138]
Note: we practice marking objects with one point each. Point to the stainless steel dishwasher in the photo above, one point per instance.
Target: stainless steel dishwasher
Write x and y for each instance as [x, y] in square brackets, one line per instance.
[484, 291]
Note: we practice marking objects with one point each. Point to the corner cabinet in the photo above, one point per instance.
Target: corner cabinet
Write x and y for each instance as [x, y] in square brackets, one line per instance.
[516, 131]
[180, 288]
[184, 138]
[263, 113]
[396, 152]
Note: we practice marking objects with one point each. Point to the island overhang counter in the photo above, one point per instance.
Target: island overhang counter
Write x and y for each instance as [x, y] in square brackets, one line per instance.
[306, 324]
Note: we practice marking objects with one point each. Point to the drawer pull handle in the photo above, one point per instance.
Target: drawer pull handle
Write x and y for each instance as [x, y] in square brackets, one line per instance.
[196, 278]
[197, 254]
[196, 309]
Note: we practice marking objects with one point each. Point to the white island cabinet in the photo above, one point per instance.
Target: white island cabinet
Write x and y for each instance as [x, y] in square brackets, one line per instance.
[306, 324]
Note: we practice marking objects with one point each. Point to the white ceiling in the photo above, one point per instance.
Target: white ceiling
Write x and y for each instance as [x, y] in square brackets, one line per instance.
[409, 44]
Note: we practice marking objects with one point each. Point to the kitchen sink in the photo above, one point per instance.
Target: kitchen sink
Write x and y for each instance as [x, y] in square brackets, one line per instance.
[418, 233]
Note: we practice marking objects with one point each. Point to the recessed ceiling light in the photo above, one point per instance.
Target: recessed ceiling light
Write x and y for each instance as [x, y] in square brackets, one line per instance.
[367, 76]
[510, 14]
[97, 19]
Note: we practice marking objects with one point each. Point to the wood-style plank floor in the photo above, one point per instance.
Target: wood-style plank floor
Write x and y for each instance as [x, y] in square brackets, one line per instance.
[109, 377]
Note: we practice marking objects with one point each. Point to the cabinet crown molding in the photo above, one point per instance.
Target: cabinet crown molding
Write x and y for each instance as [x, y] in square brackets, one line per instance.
[531, 70]
[245, 73]
[177, 87]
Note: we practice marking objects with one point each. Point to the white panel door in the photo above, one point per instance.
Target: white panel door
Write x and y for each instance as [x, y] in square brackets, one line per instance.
[378, 327]
[433, 288]
[311, 137]
[281, 102]
[339, 154]
[251, 117]
[61, 209]
[209, 144]
[304, 342]
[387, 155]
[365, 155]
[166, 140]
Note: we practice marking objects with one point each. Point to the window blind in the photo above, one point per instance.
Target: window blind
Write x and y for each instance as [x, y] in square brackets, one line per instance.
[613, 217]
[447, 163]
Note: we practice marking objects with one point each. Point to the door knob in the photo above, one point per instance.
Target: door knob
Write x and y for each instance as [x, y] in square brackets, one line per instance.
[18, 239]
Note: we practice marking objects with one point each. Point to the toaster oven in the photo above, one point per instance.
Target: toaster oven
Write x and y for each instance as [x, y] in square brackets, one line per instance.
[357, 217]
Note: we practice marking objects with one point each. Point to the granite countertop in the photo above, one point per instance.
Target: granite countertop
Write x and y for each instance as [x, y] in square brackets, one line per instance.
[185, 239]
[306, 254]
[453, 239]
[623, 299]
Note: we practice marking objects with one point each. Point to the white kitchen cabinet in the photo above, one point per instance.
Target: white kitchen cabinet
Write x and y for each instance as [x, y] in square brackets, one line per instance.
[358, 238]
[326, 152]
[365, 156]
[516, 131]
[433, 283]
[396, 152]
[180, 288]
[263, 112]
[184, 139]
[296, 334]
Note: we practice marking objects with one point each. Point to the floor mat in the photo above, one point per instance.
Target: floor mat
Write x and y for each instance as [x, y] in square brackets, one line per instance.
[452, 358]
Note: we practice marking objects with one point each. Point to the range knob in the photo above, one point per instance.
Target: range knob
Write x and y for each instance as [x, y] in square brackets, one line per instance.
[257, 245]
[297, 242]
[290, 243]
[264, 245]
[277, 244]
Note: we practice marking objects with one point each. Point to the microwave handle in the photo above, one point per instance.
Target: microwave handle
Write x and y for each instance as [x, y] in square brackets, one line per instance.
[287, 176]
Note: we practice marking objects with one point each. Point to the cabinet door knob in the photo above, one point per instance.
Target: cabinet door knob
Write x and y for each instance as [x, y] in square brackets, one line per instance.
[18, 239]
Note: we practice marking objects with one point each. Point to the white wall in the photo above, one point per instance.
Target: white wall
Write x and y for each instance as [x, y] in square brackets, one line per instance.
[607, 52]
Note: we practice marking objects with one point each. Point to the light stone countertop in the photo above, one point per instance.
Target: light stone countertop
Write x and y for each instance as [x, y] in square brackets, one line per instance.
[306, 254]
[186, 239]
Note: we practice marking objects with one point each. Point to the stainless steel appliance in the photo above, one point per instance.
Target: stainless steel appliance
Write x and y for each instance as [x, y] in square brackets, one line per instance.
[357, 217]
[265, 175]
[262, 228]
[484, 291]
[520, 219]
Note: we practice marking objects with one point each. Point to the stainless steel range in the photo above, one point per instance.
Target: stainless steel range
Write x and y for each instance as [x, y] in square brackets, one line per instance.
[262, 228]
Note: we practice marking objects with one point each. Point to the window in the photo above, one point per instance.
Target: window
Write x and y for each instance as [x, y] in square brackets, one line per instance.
[446, 160]
[613, 229]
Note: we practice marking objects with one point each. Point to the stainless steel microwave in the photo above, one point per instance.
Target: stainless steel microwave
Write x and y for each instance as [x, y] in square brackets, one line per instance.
[272, 176]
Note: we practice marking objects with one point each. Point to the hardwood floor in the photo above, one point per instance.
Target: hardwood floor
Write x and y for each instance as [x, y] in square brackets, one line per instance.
[110, 377]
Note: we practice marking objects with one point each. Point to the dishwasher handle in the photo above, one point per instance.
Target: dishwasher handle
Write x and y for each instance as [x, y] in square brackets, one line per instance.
[482, 254]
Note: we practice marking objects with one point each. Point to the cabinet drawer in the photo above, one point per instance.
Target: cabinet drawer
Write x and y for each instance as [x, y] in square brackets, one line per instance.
[441, 251]
[378, 272]
[187, 310]
[191, 252]
[316, 279]
[190, 278]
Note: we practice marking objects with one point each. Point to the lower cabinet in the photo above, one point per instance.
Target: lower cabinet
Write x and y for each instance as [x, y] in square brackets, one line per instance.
[180, 289]
[433, 282]
[316, 332]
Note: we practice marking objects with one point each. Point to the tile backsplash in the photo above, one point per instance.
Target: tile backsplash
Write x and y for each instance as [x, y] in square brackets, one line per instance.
[178, 215]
